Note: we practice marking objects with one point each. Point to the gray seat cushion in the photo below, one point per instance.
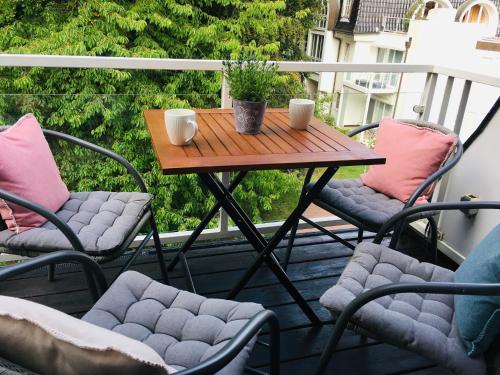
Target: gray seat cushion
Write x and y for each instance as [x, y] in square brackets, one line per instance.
[352, 197]
[102, 221]
[424, 323]
[184, 328]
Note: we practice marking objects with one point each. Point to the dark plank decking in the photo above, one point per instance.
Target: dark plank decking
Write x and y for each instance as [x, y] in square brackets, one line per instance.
[316, 263]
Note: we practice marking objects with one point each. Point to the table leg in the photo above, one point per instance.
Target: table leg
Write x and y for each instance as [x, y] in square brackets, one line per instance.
[263, 247]
[295, 226]
[204, 223]
[282, 231]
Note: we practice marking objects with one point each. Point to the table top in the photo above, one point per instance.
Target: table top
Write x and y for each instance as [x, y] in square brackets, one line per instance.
[217, 147]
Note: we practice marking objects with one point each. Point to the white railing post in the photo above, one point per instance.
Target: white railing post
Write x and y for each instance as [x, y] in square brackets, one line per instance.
[462, 106]
[428, 95]
[446, 100]
[225, 102]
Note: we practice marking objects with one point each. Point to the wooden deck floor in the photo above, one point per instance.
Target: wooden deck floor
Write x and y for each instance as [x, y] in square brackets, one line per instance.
[315, 265]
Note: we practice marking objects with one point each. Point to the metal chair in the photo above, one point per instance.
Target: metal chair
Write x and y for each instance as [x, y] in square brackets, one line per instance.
[371, 209]
[193, 334]
[392, 297]
[99, 224]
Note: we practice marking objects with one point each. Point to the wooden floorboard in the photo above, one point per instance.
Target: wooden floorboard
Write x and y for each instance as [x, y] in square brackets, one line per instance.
[316, 263]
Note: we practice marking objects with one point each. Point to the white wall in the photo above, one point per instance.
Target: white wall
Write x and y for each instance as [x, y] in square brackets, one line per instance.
[477, 173]
[330, 55]
[442, 41]
[353, 107]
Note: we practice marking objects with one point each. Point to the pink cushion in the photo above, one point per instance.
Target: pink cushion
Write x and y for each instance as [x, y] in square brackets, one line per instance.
[28, 169]
[412, 154]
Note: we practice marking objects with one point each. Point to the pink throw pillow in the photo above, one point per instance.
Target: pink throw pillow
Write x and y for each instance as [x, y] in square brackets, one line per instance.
[412, 154]
[28, 169]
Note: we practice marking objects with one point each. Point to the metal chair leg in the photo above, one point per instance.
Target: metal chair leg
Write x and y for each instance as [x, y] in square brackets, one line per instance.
[274, 345]
[51, 272]
[289, 246]
[159, 251]
[433, 238]
[360, 235]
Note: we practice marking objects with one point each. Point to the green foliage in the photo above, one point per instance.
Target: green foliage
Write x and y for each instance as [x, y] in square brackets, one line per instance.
[250, 79]
[105, 106]
[322, 108]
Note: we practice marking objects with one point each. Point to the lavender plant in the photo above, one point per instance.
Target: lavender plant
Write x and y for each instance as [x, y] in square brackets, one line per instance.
[250, 79]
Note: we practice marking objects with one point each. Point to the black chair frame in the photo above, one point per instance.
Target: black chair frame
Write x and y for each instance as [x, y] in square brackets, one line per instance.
[429, 181]
[412, 214]
[148, 215]
[98, 285]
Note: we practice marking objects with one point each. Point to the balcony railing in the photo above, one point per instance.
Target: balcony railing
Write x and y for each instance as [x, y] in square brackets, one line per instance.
[428, 99]
[375, 82]
[396, 24]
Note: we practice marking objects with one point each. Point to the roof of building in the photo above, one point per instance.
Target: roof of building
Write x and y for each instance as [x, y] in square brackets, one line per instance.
[368, 15]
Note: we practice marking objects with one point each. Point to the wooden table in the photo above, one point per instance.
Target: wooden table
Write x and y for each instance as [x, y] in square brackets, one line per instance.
[218, 147]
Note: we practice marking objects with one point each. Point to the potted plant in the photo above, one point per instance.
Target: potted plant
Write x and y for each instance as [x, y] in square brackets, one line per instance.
[250, 85]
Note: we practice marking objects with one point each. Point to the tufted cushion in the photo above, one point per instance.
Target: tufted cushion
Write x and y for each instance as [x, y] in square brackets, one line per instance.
[102, 220]
[184, 328]
[424, 323]
[48, 341]
[364, 204]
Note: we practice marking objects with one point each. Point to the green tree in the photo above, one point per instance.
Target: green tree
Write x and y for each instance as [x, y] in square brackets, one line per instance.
[105, 105]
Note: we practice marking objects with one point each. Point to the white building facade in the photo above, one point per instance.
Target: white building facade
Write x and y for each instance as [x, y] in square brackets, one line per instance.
[386, 31]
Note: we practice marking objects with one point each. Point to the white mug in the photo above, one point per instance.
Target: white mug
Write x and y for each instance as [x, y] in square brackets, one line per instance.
[301, 113]
[181, 126]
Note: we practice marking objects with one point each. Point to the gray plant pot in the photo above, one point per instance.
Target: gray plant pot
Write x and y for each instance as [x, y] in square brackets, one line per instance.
[248, 116]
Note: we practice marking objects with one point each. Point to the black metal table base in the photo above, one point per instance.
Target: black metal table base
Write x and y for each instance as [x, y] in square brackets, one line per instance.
[248, 229]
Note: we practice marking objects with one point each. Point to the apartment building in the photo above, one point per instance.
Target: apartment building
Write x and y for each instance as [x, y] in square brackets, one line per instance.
[454, 33]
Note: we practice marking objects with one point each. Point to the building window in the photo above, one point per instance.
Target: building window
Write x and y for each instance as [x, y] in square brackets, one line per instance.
[316, 46]
[476, 14]
[378, 110]
[346, 11]
[387, 56]
[324, 15]
[481, 12]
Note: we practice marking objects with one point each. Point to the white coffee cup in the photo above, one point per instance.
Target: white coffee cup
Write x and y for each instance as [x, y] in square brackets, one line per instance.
[181, 126]
[301, 113]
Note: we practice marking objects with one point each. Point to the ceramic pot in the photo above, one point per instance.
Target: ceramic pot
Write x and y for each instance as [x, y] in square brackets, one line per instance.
[248, 116]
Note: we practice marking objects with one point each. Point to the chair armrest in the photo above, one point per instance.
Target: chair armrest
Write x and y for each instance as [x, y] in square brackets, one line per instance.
[238, 342]
[110, 154]
[459, 150]
[362, 129]
[417, 212]
[90, 266]
[50, 216]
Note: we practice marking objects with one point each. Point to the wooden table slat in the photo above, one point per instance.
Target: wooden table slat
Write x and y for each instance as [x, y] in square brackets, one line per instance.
[307, 134]
[223, 136]
[275, 136]
[298, 135]
[286, 133]
[218, 147]
[250, 145]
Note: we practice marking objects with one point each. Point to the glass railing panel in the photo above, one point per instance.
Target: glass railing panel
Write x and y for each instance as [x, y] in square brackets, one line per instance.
[105, 107]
